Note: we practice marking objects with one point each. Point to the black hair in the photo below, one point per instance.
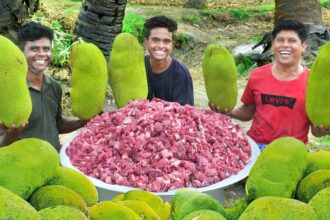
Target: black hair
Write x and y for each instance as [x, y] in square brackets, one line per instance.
[33, 31]
[160, 21]
[291, 25]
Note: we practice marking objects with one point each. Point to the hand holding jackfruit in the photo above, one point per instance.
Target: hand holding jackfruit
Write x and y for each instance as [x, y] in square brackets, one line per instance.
[317, 94]
[26, 165]
[89, 80]
[61, 213]
[278, 208]
[320, 203]
[278, 169]
[187, 200]
[220, 76]
[76, 181]
[14, 207]
[127, 72]
[16, 105]
[55, 195]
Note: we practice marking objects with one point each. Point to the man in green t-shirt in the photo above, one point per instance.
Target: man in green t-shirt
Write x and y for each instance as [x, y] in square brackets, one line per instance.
[46, 121]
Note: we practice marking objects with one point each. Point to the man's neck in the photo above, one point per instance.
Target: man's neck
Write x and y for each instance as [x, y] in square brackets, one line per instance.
[159, 66]
[287, 73]
[35, 80]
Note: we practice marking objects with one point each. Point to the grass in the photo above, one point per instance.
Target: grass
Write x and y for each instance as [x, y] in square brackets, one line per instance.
[134, 24]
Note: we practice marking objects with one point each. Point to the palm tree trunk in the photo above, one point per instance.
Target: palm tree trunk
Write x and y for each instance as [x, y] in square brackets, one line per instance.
[99, 22]
[305, 11]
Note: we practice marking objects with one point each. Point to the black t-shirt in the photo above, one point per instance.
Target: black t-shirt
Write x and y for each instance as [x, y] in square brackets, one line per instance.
[173, 85]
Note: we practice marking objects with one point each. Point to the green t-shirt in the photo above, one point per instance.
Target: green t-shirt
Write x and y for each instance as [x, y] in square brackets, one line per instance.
[46, 110]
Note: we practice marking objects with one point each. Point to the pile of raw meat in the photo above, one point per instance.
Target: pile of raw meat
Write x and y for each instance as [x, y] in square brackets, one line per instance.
[160, 146]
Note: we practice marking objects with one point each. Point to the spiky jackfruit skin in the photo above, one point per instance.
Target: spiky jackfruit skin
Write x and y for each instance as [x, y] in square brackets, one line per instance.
[278, 169]
[127, 72]
[317, 93]
[320, 203]
[204, 215]
[220, 76]
[318, 161]
[162, 209]
[89, 79]
[187, 200]
[234, 211]
[142, 209]
[278, 208]
[312, 184]
[76, 181]
[55, 195]
[61, 213]
[26, 165]
[111, 210]
[14, 207]
[16, 105]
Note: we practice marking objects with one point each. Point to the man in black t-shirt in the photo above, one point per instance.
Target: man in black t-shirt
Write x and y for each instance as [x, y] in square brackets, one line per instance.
[168, 79]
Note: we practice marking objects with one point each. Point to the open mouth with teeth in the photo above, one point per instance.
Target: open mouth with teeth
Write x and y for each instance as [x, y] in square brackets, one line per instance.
[285, 53]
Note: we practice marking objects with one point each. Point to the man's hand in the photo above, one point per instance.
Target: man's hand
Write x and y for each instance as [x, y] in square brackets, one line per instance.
[319, 131]
[218, 109]
[12, 130]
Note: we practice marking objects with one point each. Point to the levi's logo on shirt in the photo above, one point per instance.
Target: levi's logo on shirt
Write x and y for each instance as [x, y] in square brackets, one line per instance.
[278, 100]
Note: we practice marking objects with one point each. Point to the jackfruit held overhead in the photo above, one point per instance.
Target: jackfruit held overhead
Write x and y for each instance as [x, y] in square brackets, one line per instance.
[278, 169]
[16, 105]
[220, 76]
[278, 208]
[89, 79]
[127, 72]
[317, 94]
[61, 213]
[76, 181]
[14, 207]
[26, 165]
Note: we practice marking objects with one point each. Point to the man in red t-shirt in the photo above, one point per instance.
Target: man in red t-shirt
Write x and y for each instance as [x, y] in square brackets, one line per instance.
[275, 95]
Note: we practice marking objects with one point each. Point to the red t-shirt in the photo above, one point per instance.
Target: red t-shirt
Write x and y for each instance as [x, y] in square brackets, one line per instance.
[280, 106]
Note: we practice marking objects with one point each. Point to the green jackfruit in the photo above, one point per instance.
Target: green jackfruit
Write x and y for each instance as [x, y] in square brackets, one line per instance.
[14, 207]
[118, 197]
[187, 200]
[278, 208]
[312, 184]
[127, 72]
[61, 213]
[220, 76]
[204, 215]
[317, 93]
[55, 195]
[278, 169]
[112, 210]
[162, 209]
[320, 203]
[76, 181]
[142, 209]
[318, 161]
[234, 211]
[89, 80]
[14, 95]
[26, 165]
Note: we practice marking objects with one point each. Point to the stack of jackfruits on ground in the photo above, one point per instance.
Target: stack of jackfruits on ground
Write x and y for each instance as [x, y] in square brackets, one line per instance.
[132, 205]
[34, 186]
[286, 182]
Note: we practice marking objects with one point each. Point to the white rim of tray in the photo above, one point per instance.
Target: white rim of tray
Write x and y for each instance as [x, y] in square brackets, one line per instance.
[65, 161]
